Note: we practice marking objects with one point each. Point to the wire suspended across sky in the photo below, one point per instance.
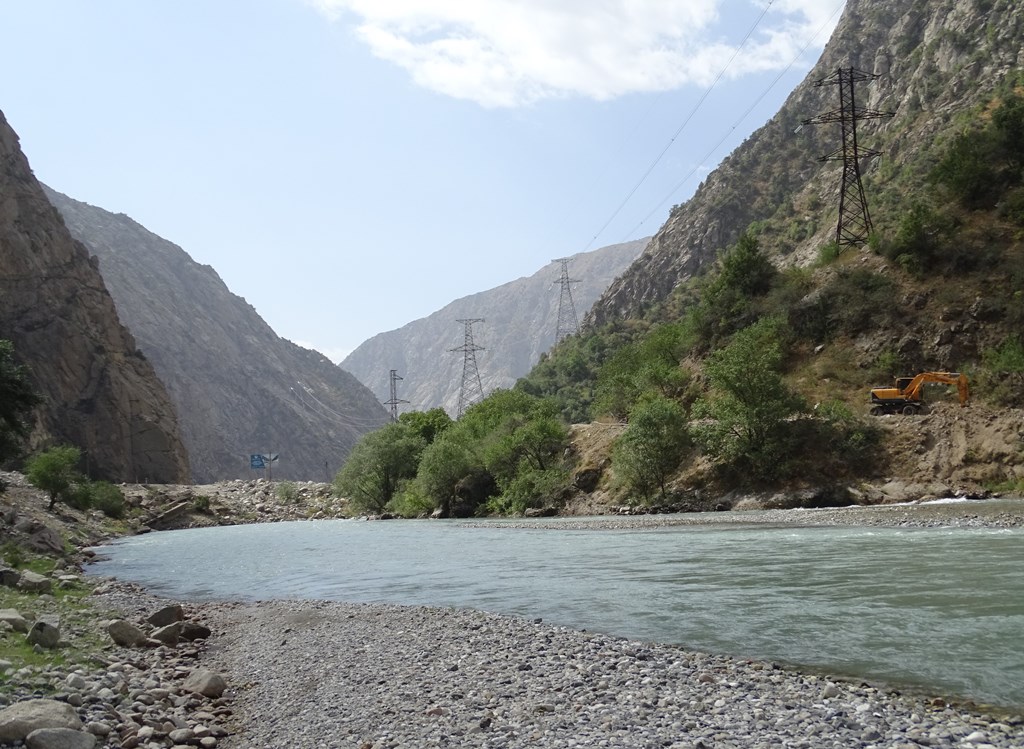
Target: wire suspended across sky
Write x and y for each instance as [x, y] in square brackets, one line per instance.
[731, 130]
[693, 112]
[680, 129]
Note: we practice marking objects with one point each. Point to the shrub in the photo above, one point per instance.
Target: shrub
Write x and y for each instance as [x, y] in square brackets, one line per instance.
[55, 472]
[747, 415]
[13, 555]
[107, 498]
[287, 492]
[828, 253]
[652, 447]
[530, 488]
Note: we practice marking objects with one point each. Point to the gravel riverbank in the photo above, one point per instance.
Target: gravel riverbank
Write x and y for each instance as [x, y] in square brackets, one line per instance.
[316, 674]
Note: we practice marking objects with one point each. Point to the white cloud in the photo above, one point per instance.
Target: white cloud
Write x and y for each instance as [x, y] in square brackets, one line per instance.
[507, 53]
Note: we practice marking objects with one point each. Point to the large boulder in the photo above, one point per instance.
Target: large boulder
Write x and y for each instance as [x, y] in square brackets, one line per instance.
[205, 682]
[15, 619]
[126, 634]
[167, 615]
[45, 632]
[168, 635]
[33, 582]
[9, 577]
[22, 718]
[60, 738]
[46, 540]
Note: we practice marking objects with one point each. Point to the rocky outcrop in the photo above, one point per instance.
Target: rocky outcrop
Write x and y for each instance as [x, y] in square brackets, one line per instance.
[99, 391]
[238, 387]
[520, 322]
[935, 59]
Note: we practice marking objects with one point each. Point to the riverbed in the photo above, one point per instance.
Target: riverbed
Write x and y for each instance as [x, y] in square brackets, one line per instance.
[938, 609]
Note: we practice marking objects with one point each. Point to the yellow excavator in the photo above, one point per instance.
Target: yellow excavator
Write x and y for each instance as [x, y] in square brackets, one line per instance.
[907, 396]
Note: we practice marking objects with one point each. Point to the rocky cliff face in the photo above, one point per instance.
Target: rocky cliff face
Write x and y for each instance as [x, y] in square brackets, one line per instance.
[100, 393]
[239, 388]
[936, 58]
[520, 323]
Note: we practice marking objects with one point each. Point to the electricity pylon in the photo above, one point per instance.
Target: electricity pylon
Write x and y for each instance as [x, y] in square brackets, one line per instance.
[472, 390]
[568, 323]
[395, 400]
[854, 225]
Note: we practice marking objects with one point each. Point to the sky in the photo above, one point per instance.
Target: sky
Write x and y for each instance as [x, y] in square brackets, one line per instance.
[349, 166]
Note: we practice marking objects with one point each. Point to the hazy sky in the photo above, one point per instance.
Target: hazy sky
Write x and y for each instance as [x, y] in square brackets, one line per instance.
[349, 166]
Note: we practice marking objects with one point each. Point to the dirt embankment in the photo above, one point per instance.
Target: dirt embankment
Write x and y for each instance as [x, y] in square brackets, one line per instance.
[974, 448]
[945, 451]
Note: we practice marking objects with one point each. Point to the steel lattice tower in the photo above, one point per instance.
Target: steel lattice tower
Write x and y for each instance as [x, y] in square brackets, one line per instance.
[568, 323]
[854, 225]
[472, 390]
[395, 400]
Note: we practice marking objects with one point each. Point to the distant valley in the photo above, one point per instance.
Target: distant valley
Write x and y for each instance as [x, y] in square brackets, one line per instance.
[520, 320]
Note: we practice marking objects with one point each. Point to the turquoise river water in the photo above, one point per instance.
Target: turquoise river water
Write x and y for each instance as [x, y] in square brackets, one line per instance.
[935, 609]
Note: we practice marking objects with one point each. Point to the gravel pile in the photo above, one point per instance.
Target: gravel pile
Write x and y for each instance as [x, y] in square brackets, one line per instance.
[319, 674]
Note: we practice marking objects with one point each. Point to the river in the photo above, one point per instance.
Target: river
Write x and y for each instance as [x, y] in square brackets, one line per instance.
[938, 609]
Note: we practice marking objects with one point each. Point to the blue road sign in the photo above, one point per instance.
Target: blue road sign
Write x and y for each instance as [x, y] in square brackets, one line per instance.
[256, 462]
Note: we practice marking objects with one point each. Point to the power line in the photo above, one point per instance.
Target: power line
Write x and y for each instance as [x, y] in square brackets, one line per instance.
[394, 400]
[568, 323]
[680, 129]
[729, 132]
[472, 390]
[854, 225]
[351, 421]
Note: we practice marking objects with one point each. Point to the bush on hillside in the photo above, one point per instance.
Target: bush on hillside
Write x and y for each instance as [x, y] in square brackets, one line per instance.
[107, 498]
[651, 448]
[55, 471]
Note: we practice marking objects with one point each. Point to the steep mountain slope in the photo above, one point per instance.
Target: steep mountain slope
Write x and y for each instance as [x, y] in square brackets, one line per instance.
[936, 58]
[100, 393]
[520, 322]
[239, 388]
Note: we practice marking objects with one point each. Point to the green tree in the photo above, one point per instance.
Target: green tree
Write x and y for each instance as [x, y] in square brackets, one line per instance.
[55, 471]
[1008, 121]
[652, 447]
[650, 365]
[748, 408]
[16, 400]
[107, 498]
[378, 465]
[427, 424]
[727, 299]
[448, 460]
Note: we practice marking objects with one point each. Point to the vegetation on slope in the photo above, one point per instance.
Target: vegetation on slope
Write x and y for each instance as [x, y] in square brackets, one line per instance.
[755, 374]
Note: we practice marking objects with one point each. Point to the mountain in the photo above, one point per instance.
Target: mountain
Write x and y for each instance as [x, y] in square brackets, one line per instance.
[937, 59]
[520, 320]
[238, 387]
[99, 391]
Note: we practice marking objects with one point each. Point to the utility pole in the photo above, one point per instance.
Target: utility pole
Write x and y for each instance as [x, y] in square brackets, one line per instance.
[472, 390]
[568, 324]
[394, 401]
[854, 225]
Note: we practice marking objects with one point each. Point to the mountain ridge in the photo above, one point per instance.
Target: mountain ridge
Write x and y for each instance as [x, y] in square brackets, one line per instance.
[240, 389]
[519, 325]
[99, 392]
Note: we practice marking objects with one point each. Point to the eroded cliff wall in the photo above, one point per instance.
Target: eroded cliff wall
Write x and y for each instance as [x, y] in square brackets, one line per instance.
[99, 391]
